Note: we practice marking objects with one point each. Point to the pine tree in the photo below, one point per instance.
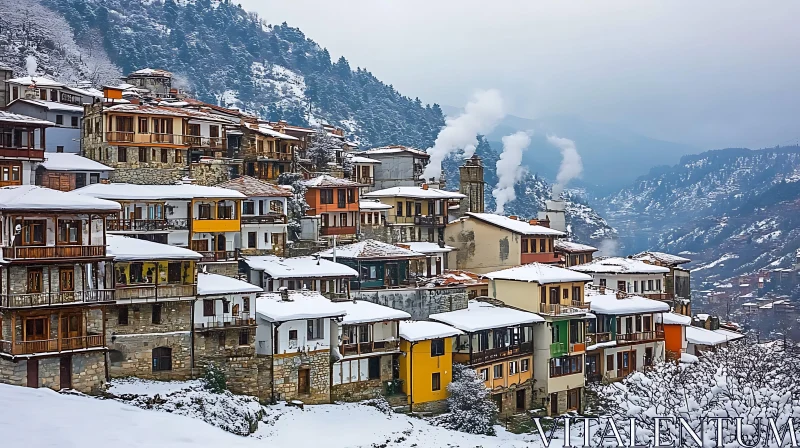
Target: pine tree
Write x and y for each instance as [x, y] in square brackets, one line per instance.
[322, 150]
[296, 205]
[214, 379]
[471, 409]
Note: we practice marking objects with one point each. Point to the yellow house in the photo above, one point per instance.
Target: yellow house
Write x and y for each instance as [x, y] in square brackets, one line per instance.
[426, 363]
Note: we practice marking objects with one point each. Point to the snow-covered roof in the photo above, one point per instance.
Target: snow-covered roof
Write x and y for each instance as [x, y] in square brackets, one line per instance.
[32, 197]
[166, 111]
[673, 319]
[215, 284]
[480, 316]
[123, 248]
[619, 265]
[687, 358]
[609, 304]
[370, 249]
[362, 159]
[10, 117]
[428, 248]
[151, 72]
[414, 192]
[539, 273]
[394, 150]
[38, 80]
[299, 267]
[363, 312]
[515, 225]
[301, 305]
[51, 105]
[731, 335]
[373, 205]
[326, 180]
[701, 336]
[252, 187]
[64, 161]
[155, 192]
[569, 246]
[267, 130]
[661, 257]
[420, 330]
[90, 91]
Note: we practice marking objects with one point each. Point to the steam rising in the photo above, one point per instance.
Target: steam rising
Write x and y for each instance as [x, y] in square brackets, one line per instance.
[571, 164]
[608, 248]
[31, 65]
[480, 116]
[509, 169]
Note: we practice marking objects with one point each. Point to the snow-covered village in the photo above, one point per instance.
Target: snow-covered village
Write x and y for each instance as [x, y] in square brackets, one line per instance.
[192, 259]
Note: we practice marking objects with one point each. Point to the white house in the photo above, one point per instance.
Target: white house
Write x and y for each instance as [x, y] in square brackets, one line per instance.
[627, 275]
[224, 302]
[313, 273]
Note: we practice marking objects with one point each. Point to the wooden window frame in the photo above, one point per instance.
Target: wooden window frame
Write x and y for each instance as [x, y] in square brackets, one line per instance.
[64, 229]
[436, 382]
[162, 359]
[437, 347]
[209, 308]
[35, 279]
[157, 314]
[123, 315]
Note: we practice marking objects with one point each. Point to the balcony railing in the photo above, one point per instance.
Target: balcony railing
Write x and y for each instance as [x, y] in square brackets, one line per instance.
[48, 252]
[264, 219]
[146, 225]
[52, 345]
[219, 255]
[369, 347]
[197, 141]
[330, 231]
[225, 322]
[597, 338]
[429, 220]
[119, 137]
[269, 155]
[557, 309]
[494, 354]
[363, 180]
[22, 153]
[558, 349]
[626, 338]
[37, 299]
[152, 292]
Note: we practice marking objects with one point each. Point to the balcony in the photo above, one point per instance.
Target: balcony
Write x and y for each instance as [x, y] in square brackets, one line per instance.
[280, 156]
[495, 354]
[421, 220]
[330, 231]
[196, 141]
[219, 255]
[52, 345]
[226, 322]
[598, 338]
[539, 257]
[146, 225]
[363, 180]
[154, 292]
[41, 299]
[558, 309]
[558, 349]
[22, 153]
[119, 137]
[51, 252]
[369, 347]
[264, 219]
[642, 336]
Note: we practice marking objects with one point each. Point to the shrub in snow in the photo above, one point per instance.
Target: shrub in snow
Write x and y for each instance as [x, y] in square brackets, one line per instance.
[322, 149]
[380, 404]
[214, 379]
[752, 382]
[471, 409]
[296, 205]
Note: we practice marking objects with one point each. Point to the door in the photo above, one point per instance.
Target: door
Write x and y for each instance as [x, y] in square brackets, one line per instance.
[622, 286]
[392, 274]
[65, 369]
[220, 240]
[521, 400]
[303, 381]
[341, 198]
[554, 404]
[33, 372]
[71, 332]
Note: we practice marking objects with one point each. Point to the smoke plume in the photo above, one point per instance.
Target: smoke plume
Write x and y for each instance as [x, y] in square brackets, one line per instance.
[571, 164]
[509, 169]
[608, 248]
[480, 116]
[31, 65]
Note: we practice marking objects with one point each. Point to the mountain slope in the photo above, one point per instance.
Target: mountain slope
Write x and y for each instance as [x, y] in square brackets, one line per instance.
[225, 55]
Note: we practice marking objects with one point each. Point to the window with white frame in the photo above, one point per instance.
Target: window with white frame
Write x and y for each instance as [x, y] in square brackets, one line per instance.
[525, 365]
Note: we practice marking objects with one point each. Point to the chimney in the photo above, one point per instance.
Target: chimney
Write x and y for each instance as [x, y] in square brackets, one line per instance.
[135, 101]
[424, 186]
[284, 294]
[620, 295]
[514, 217]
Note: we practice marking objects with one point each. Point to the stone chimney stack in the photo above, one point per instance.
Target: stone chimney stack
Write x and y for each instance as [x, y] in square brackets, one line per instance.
[471, 185]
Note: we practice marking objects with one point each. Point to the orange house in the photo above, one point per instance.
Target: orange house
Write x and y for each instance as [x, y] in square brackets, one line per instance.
[674, 333]
[335, 201]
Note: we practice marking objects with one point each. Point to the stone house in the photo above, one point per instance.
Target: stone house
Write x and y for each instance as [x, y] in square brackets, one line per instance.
[266, 152]
[272, 273]
[56, 280]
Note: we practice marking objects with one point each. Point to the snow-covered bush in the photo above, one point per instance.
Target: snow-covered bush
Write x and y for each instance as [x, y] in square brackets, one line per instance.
[746, 381]
[214, 379]
[296, 205]
[471, 409]
[322, 149]
[380, 404]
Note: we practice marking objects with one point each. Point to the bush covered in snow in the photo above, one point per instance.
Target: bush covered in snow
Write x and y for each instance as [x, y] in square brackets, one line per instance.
[380, 404]
[751, 382]
[471, 409]
[296, 205]
[214, 379]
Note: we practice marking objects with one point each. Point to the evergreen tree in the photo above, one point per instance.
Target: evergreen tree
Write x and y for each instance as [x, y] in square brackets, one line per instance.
[214, 379]
[471, 409]
[296, 205]
[322, 149]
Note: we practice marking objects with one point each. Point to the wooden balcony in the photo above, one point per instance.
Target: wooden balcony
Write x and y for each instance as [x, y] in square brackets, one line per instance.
[42, 299]
[219, 255]
[420, 220]
[264, 219]
[641, 336]
[539, 257]
[226, 322]
[119, 137]
[146, 225]
[494, 354]
[151, 292]
[52, 345]
[369, 347]
[213, 143]
[279, 156]
[363, 180]
[597, 338]
[21, 153]
[330, 231]
[51, 252]
[558, 309]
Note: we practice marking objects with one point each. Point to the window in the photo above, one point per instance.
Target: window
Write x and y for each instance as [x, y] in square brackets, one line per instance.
[512, 368]
[164, 155]
[399, 208]
[122, 315]
[351, 195]
[525, 245]
[59, 149]
[304, 381]
[566, 365]
[162, 359]
[66, 276]
[69, 232]
[276, 206]
[94, 178]
[648, 356]
[436, 381]
[635, 286]
[437, 347]
[609, 362]
[137, 273]
[74, 122]
[647, 323]
[244, 337]
[225, 211]
[143, 125]
[34, 280]
[417, 209]
[315, 328]
[204, 211]
[208, 307]
[245, 304]
[248, 208]
[543, 245]
[534, 246]
[59, 119]
[497, 371]
[566, 294]
[156, 313]
[14, 92]
[576, 293]
[33, 233]
[603, 282]
[174, 272]
[554, 295]
[658, 285]
[484, 374]
[649, 285]
[122, 154]
[251, 239]
[292, 335]
[524, 365]
[326, 196]
[143, 154]
[374, 368]
[226, 306]
[36, 329]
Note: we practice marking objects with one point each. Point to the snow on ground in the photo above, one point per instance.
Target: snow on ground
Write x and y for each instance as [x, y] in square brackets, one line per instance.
[135, 386]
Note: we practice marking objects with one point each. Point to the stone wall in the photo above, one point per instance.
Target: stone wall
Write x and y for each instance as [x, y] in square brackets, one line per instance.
[286, 370]
[246, 374]
[211, 173]
[18, 278]
[419, 302]
[228, 269]
[147, 176]
[508, 397]
[88, 371]
[364, 390]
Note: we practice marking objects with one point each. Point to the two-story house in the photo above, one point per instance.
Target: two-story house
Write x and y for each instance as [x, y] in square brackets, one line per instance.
[677, 282]
[572, 254]
[295, 330]
[313, 273]
[379, 265]
[557, 295]
[624, 337]
[67, 172]
[419, 213]
[369, 346]
[263, 215]
[486, 242]
[400, 166]
[363, 170]
[498, 343]
[335, 201]
[267, 153]
[56, 277]
[627, 275]
[22, 143]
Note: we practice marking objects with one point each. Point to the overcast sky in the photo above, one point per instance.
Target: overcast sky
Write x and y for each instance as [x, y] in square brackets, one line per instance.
[712, 73]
